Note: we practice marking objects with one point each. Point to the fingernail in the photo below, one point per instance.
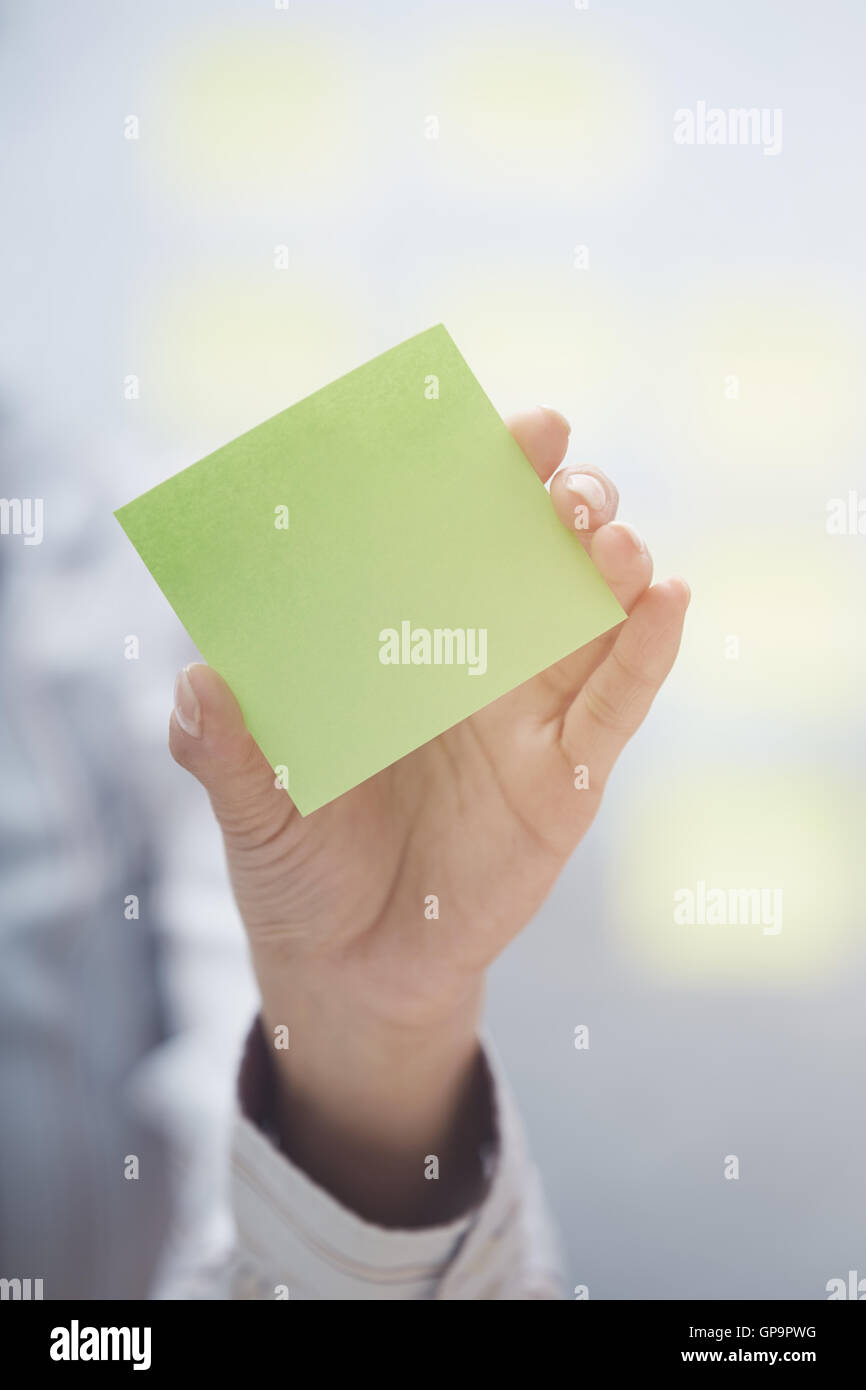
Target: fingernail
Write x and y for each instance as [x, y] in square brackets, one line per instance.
[187, 710]
[589, 488]
[560, 417]
[634, 536]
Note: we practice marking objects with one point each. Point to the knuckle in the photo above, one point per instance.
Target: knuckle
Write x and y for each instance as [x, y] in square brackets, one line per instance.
[632, 670]
[607, 713]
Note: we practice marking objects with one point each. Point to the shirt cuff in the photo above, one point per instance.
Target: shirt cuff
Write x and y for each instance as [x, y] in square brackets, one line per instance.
[297, 1241]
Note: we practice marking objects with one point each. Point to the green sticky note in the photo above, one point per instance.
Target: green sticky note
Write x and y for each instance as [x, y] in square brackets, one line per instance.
[370, 566]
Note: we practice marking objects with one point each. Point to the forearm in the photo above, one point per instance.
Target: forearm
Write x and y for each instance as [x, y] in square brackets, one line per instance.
[364, 1105]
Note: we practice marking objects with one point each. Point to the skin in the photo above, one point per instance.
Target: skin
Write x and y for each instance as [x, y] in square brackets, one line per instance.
[383, 1004]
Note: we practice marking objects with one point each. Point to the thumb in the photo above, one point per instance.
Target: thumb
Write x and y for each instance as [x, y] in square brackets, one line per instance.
[208, 737]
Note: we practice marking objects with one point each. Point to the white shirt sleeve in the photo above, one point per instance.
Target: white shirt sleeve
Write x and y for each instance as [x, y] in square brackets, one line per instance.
[296, 1241]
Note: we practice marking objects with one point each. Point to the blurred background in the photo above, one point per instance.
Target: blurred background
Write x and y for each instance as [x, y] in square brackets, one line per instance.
[213, 208]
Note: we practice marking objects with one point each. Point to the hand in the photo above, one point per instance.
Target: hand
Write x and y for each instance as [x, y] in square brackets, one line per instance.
[381, 1001]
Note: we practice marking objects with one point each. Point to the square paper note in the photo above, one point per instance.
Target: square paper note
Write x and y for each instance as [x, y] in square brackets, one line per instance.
[370, 567]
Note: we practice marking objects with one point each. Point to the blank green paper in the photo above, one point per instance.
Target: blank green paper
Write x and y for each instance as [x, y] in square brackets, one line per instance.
[370, 567]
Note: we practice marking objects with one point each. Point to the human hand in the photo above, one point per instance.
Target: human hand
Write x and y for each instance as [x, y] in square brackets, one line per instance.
[381, 1000]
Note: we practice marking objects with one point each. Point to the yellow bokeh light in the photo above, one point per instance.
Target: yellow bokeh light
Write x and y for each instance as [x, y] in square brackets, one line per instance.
[775, 627]
[743, 828]
[527, 107]
[243, 118]
[226, 353]
[762, 373]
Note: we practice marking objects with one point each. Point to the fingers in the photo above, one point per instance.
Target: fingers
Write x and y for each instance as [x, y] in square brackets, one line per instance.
[623, 561]
[208, 737]
[616, 698]
[542, 434]
[584, 499]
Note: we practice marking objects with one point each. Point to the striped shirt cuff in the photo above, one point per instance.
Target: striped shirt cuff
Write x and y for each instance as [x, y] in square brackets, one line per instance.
[296, 1241]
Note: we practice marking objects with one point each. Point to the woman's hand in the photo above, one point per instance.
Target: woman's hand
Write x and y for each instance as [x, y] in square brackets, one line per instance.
[381, 998]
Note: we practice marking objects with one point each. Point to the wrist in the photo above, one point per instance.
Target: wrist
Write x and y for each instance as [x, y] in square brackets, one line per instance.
[378, 1073]
[363, 1099]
